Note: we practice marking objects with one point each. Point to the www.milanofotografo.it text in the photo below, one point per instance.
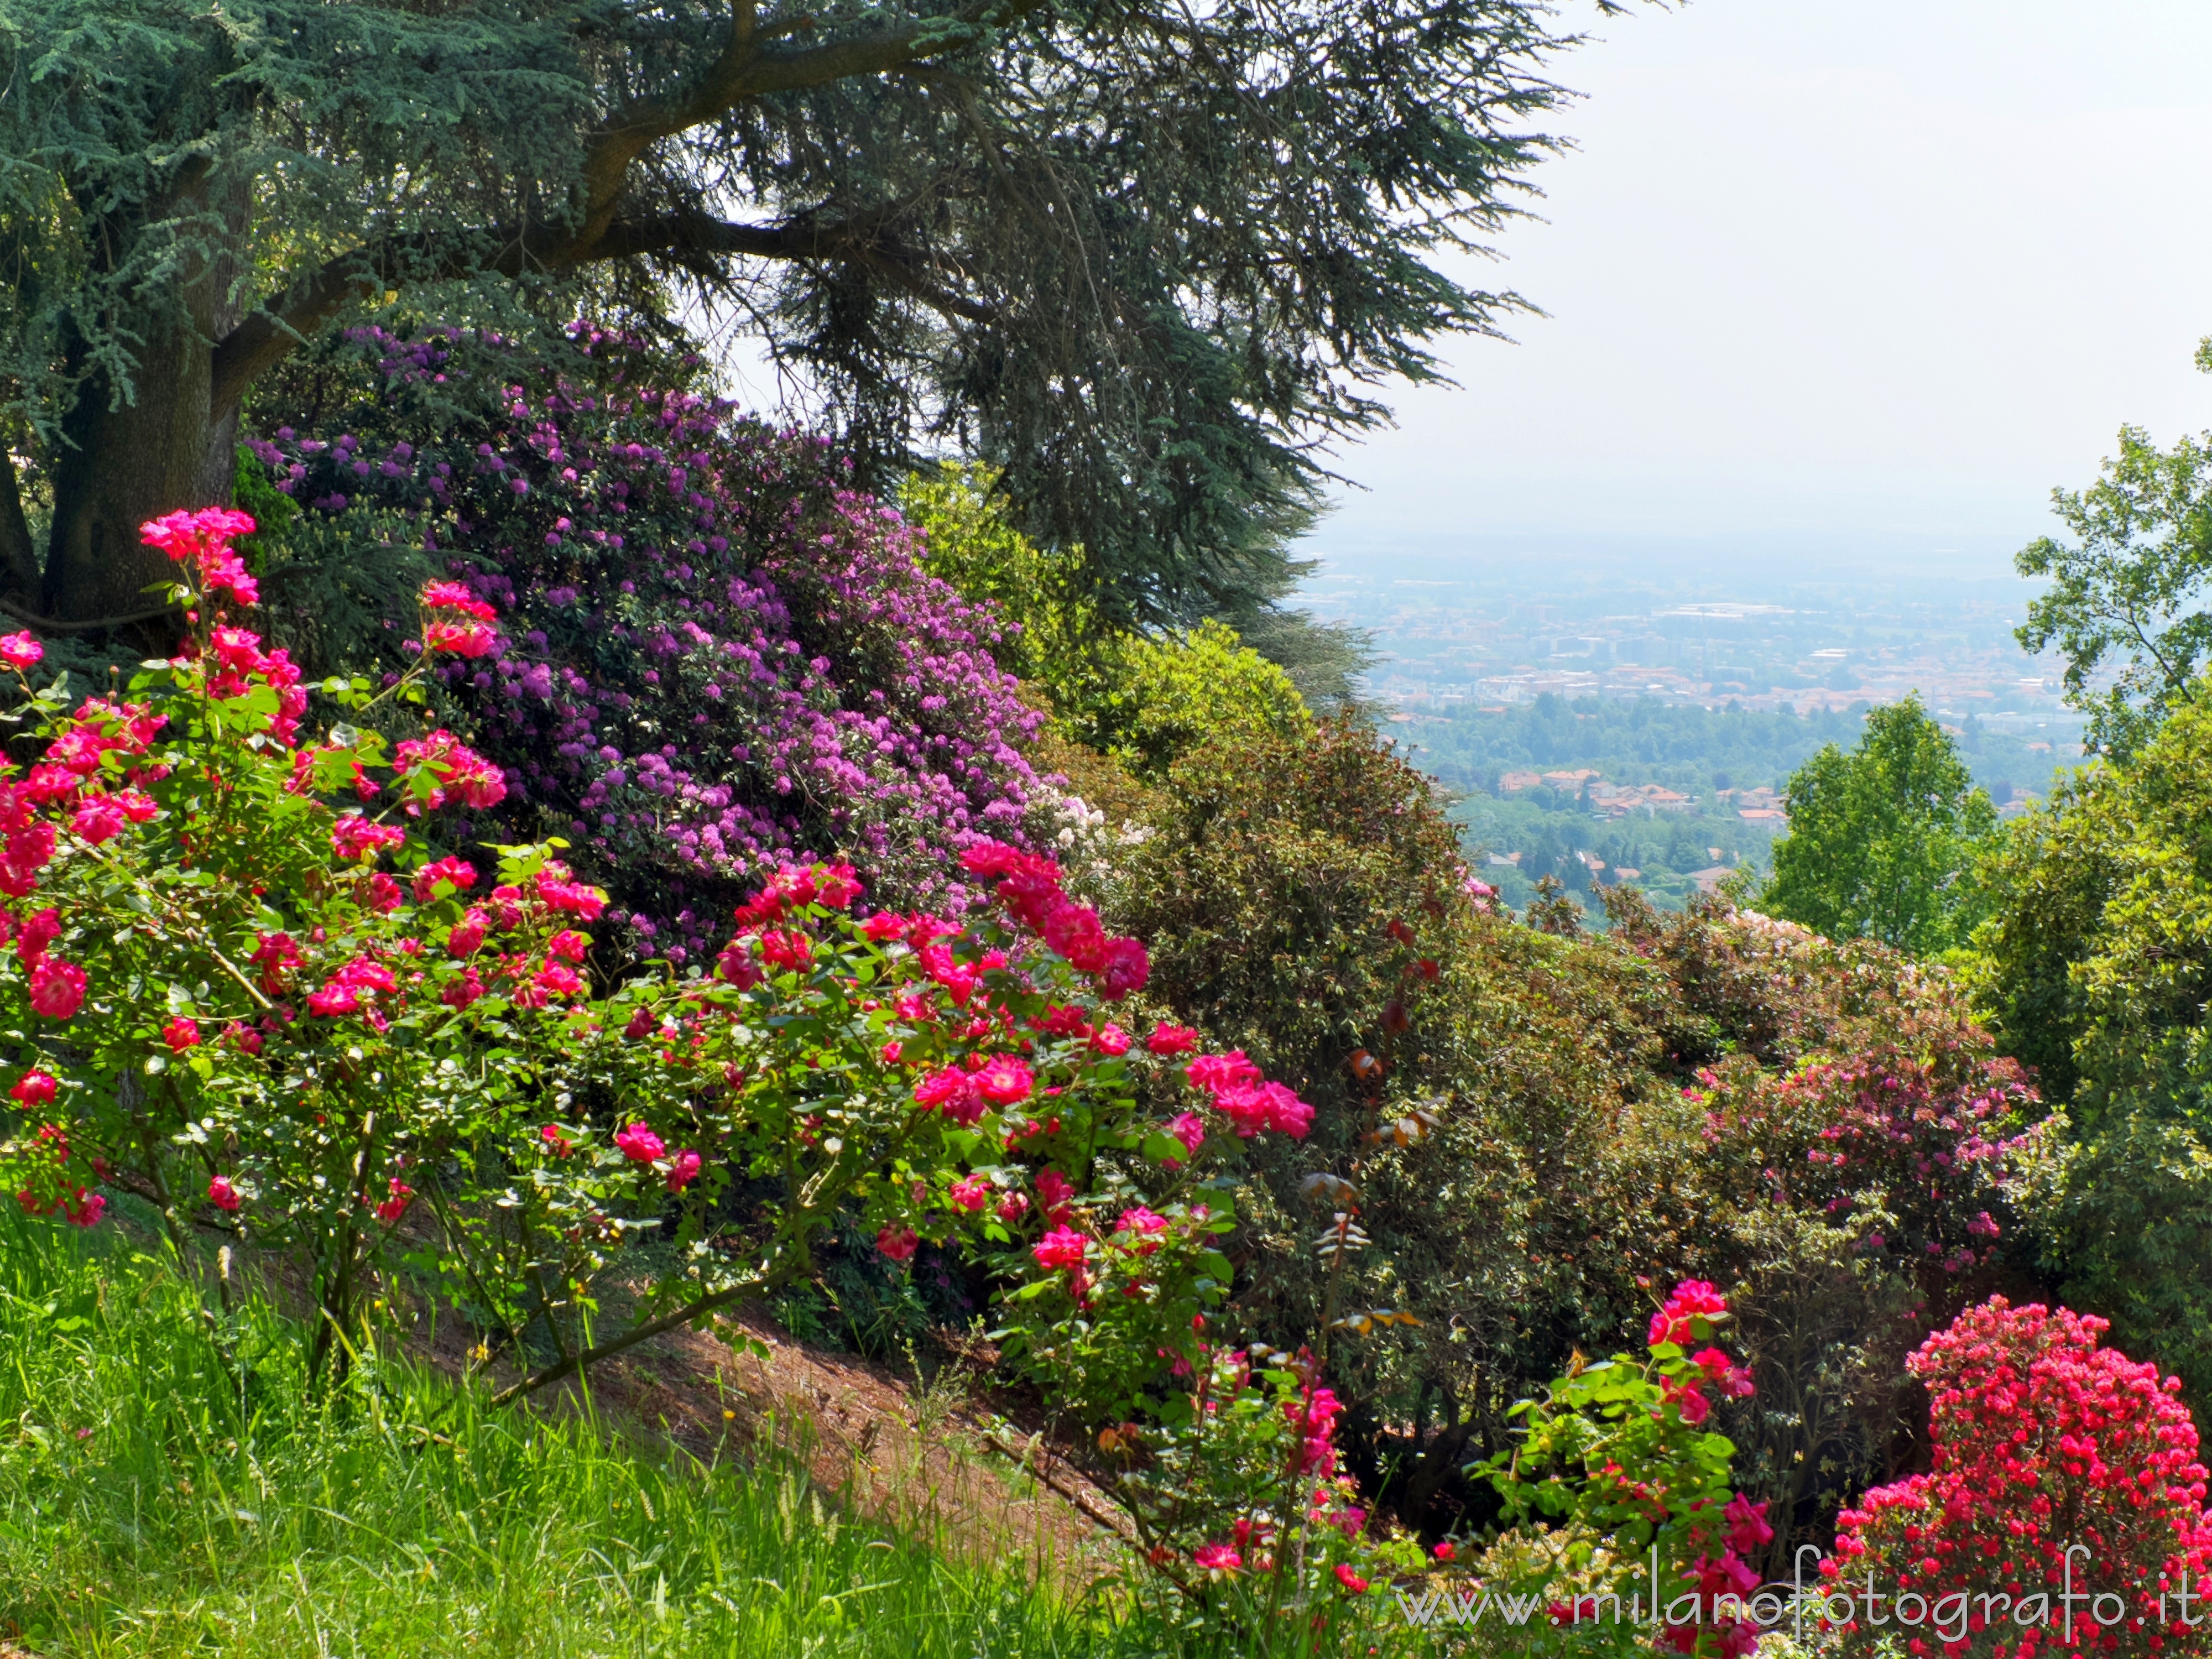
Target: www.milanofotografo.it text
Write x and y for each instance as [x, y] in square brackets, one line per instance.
[1836, 1603]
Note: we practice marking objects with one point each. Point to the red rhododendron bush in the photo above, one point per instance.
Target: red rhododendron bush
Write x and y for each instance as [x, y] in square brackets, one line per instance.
[2064, 1513]
[251, 983]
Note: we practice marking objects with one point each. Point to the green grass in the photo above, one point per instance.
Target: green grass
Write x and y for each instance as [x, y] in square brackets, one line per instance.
[151, 1505]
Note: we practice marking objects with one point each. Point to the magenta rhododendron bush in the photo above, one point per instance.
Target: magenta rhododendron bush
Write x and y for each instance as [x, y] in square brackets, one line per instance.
[2045, 1443]
[252, 980]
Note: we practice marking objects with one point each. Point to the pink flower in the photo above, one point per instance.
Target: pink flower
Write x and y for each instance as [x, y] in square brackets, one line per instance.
[1216, 1557]
[835, 885]
[452, 875]
[455, 595]
[899, 1243]
[450, 770]
[1748, 1530]
[559, 979]
[1189, 1128]
[952, 1091]
[384, 894]
[19, 651]
[1171, 1039]
[1215, 1072]
[181, 1034]
[35, 934]
[1695, 1302]
[638, 1144]
[1063, 1247]
[57, 988]
[1145, 1224]
[971, 1193]
[567, 945]
[472, 639]
[1012, 1207]
[572, 896]
[683, 1170]
[1444, 1552]
[1110, 1041]
[354, 837]
[1687, 1398]
[395, 1206]
[97, 819]
[1054, 1193]
[1350, 1580]
[467, 935]
[1253, 1107]
[1004, 1081]
[244, 1038]
[556, 1140]
[1127, 969]
[221, 1193]
[35, 1088]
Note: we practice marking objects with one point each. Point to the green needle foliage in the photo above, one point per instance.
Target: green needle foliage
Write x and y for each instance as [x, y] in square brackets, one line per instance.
[1142, 256]
[1882, 840]
[156, 1501]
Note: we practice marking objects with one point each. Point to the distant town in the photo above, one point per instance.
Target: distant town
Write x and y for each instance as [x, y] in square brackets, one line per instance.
[1605, 727]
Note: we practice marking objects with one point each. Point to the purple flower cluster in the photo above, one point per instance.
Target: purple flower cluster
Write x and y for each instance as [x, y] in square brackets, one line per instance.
[711, 651]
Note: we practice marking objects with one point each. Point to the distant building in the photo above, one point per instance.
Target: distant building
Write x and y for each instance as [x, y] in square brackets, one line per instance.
[1505, 861]
[1514, 783]
[1763, 815]
[1622, 872]
[1709, 880]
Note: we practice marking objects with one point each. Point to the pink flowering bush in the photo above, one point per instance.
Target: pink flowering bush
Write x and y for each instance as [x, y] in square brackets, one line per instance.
[1619, 1488]
[694, 649]
[213, 994]
[1244, 1511]
[2042, 1439]
[250, 980]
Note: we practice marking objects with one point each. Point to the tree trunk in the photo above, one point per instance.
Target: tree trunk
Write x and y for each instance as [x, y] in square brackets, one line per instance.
[156, 445]
[154, 450]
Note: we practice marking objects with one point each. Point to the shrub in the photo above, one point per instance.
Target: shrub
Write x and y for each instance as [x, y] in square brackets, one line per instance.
[712, 651]
[1146, 701]
[2057, 1463]
[1639, 1526]
[2129, 1231]
[1535, 1159]
[228, 1004]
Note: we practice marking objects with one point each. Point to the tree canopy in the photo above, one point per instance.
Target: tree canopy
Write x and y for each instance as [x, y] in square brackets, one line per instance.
[2124, 604]
[1142, 257]
[1882, 840]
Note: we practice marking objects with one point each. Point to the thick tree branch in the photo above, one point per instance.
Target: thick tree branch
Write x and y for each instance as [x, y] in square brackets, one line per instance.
[749, 66]
[265, 339]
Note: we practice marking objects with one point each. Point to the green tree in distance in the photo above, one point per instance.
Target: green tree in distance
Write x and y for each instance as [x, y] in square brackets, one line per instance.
[2126, 598]
[1142, 256]
[1883, 840]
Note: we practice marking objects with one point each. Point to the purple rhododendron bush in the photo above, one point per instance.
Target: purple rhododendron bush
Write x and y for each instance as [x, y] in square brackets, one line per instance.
[702, 653]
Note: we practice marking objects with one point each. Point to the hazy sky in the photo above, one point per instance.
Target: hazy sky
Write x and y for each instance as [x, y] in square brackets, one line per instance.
[1827, 273]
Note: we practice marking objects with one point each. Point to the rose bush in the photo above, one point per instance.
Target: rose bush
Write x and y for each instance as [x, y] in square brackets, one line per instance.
[251, 980]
